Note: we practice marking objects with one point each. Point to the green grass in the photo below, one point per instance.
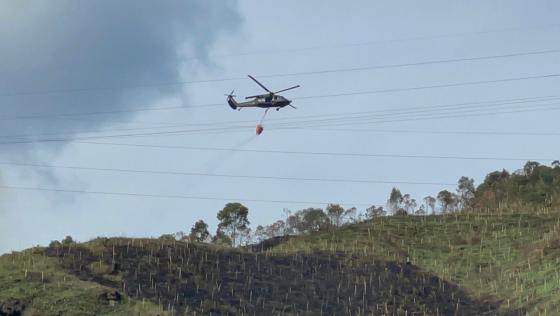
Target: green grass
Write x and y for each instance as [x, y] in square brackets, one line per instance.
[508, 257]
[45, 289]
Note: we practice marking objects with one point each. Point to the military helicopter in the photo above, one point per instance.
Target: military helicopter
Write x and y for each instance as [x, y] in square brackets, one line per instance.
[266, 101]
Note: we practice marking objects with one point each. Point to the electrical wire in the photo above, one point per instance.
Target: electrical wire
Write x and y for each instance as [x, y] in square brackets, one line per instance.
[461, 113]
[293, 74]
[209, 105]
[445, 132]
[337, 116]
[182, 173]
[378, 42]
[329, 122]
[171, 196]
[313, 153]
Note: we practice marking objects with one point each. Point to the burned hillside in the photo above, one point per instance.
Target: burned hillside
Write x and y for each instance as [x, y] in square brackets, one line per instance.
[193, 278]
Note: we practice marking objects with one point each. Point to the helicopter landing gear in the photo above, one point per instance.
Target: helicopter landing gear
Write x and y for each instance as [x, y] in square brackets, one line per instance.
[277, 109]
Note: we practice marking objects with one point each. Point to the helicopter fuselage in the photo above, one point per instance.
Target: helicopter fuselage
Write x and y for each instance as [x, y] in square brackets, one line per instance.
[263, 101]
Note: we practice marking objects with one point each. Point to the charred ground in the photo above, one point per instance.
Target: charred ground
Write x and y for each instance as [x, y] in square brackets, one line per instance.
[188, 277]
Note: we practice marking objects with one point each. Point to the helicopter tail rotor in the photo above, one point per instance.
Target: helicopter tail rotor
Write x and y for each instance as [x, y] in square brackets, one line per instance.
[231, 101]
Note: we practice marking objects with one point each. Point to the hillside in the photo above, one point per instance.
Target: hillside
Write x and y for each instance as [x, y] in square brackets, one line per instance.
[468, 264]
[512, 259]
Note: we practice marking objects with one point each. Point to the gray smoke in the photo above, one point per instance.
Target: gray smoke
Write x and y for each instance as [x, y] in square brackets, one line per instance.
[50, 51]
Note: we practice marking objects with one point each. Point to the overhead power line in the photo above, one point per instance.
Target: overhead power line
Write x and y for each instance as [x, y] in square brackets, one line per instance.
[70, 115]
[445, 132]
[316, 153]
[173, 196]
[26, 139]
[306, 120]
[446, 85]
[419, 116]
[183, 173]
[293, 74]
[282, 125]
[401, 65]
[388, 41]
[209, 105]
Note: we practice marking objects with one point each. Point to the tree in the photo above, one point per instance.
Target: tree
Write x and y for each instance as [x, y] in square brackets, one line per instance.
[373, 212]
[244, 236]
[529, 167]
[430, 202]
[421, 210]
[314, 219]
[412, 206]
[293, 224]
[406, 201]
[556, 164]
[220, 238]
[55, 244]
[401, 212]
[308, 220]
[287, 213]
[335, 213]
[455, 202]
[465, 190]
[260, 233]
[395, 200]
[180, 235]
[233, 220]
[67, 241]
[351, 215]
[199, 232]
[276, 229]
[446, 200]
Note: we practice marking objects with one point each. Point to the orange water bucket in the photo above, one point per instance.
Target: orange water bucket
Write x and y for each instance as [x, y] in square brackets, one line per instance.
[259, 129]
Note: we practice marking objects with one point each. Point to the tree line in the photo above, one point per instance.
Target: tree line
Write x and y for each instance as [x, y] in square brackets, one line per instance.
[533, 184]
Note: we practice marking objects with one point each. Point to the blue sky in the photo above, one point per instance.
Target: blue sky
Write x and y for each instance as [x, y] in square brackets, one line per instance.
[120, 58]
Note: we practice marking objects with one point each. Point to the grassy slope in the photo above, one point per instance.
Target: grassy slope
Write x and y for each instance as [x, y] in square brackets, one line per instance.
[39, 284]
[512, 258]
[207, 279]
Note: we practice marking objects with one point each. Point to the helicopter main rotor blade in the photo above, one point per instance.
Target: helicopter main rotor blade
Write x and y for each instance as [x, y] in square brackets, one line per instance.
[287, 89]
[260, 84]
[292, 106]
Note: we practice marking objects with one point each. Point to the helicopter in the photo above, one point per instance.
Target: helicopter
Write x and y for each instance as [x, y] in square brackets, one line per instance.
[266, 101]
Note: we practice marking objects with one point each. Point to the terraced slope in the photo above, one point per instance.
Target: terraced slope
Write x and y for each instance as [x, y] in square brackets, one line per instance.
[512, 259]
[444, 265]
[188, 278]
[33, 284]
